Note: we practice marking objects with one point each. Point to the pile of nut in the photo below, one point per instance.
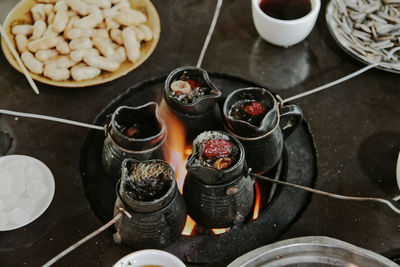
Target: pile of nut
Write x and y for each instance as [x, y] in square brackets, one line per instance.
[81, 38]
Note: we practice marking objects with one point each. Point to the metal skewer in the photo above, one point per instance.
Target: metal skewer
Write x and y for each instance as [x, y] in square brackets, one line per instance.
[210, 33]
[49, 118]
[343, 79]
[121, 213]
[320, 192]
[18, 59]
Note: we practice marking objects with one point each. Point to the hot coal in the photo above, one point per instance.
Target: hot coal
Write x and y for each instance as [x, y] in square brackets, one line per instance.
[147, 181]
[216, 150]
[248, 110]
[188, 89]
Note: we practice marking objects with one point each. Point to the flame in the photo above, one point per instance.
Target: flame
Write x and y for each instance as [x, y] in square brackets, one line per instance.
[219, 231]
[177, 153]
[258, 200]
[189, 226]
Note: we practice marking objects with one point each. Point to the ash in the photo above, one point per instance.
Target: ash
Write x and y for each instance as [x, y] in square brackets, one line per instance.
[148, 181]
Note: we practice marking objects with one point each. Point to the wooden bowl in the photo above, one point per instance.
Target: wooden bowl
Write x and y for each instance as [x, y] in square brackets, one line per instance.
[21, 14]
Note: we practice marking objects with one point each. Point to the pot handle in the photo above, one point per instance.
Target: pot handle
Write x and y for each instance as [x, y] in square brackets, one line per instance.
[290, 118]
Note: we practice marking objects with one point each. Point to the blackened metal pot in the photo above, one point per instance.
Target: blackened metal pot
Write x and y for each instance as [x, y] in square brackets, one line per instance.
[219, 206]
[154, 224]
[218, 198]
[263, 143]
[118, 147]
[200, 115]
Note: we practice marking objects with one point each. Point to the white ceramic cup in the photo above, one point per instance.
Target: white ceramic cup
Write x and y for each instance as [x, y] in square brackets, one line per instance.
[284, 32]
[149, 257]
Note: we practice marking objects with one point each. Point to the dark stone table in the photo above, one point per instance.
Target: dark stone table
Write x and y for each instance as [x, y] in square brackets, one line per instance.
[356, 127]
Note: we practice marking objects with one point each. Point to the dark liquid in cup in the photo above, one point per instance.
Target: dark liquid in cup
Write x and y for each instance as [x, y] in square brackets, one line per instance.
[286, 9]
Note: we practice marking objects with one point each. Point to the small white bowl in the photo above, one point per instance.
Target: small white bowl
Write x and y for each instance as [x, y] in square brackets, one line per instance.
[284, 32]
[149, 257]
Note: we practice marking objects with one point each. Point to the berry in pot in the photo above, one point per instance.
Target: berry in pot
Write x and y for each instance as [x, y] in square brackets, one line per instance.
[250, 111]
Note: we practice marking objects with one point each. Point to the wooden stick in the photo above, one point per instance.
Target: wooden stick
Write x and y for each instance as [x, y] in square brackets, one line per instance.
[18, 59]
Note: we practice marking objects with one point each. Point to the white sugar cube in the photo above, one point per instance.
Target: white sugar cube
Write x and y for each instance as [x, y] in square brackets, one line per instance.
[28, 205]
[18, 216]
[36, 189]
[6, 182]
[33, 173]
[16, 168]
[3, 219]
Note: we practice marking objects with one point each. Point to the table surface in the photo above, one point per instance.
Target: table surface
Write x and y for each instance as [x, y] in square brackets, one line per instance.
[355, 126]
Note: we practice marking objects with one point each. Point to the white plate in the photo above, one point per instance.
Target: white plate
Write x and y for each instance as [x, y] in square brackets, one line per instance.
[334, 30]
[149, 257]
[26, 190]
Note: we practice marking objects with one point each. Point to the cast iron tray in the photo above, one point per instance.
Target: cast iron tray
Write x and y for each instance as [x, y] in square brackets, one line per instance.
[299, 167]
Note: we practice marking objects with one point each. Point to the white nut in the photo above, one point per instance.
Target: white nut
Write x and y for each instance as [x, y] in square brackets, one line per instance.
[62, 46]
[50, 18]
[81, 43]
[79, 6]
[60, 6]
[129, 17]
[79, 54]
[139, 33]
[89, 21]
[148, 34]
[43, 43]
[22, 43]
[80, 73]
[32, 63]
[111, 24]
[132, 45]
[60, 21]
[48, 9]
[181, 87]
[101, 33]
[38, 12]
[61, 62]
[119, 55]
[103, 45]
[116, 36]
[44, 55]
[101, 63]
[99, 3]
[38, 29]
[55, 73]
[75, 33]
[22, 29]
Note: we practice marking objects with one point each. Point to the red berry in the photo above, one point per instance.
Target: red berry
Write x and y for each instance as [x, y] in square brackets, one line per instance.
[217, 148]
[254, 108]
[193, 83]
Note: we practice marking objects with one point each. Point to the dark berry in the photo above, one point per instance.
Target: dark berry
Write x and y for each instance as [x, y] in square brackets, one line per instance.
[217, 148]
[254, 108]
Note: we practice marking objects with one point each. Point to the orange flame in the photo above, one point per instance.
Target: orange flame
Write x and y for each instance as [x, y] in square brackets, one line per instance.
[258, 200]
[189, 226]
[219, 231]
[177, 153]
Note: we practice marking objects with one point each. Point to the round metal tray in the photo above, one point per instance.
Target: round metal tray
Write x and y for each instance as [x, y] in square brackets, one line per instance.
[332, 26]
[311, 251]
